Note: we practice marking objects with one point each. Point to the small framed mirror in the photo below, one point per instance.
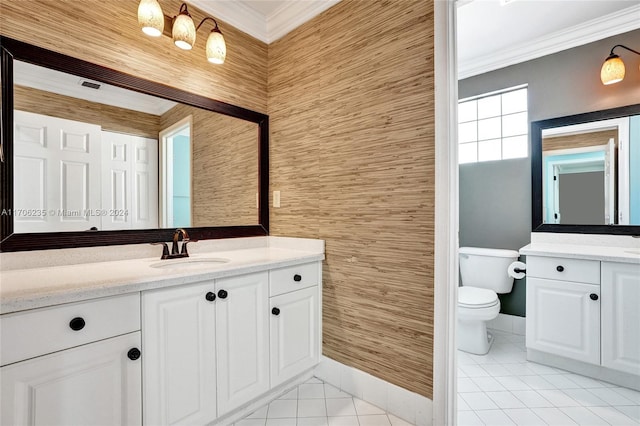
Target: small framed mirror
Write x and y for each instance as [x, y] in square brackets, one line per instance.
[586, 172]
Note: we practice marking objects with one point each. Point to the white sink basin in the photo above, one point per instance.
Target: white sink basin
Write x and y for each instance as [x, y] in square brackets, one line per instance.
[188, 264]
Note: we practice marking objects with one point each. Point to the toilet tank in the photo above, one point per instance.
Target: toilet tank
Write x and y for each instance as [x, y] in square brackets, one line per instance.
[487, 268]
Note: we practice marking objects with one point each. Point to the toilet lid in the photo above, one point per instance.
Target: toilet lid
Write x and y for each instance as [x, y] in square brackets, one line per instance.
[474, 297]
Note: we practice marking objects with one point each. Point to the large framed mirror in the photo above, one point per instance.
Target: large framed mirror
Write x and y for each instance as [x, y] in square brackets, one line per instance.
[93, 156]
[586, 173]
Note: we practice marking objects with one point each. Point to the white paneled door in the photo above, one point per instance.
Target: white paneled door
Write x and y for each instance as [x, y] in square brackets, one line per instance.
[130, 181]
[57, 174]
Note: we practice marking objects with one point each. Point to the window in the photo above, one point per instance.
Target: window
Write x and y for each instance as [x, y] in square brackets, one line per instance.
[493, 126]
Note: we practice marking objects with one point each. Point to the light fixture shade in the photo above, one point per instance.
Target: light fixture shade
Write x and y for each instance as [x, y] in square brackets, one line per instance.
[612, 70]
[184, 31]
[150, 17]
[216, 47]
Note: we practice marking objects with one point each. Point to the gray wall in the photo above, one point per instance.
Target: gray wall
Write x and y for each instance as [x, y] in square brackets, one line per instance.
[495, 197]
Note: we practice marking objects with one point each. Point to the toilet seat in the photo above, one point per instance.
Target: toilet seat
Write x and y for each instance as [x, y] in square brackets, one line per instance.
[476, 298]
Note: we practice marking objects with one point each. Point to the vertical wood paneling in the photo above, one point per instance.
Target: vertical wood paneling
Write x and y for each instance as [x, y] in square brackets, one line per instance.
[352, 150]
[106, 32]
[110, 118]
[224, 167]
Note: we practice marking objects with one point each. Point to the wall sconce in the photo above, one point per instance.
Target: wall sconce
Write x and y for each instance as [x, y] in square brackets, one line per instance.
[183, 30]
[613, 68]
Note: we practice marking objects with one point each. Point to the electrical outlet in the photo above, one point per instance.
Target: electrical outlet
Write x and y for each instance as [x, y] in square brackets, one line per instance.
[276, 199]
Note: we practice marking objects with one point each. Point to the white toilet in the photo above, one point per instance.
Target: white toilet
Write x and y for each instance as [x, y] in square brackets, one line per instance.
[484, 273]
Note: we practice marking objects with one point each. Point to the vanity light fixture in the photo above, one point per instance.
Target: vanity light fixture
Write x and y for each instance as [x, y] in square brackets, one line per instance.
[183, 30]
[613, 68]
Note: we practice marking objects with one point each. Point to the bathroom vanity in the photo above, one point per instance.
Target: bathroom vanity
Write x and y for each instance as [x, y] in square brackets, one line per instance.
[583, 309]
[201, 340]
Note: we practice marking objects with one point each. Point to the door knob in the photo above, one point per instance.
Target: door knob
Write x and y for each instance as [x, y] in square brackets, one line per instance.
[560, 268]
[222, 294]
[275, 311]
[593, 296]
[297, 278]
[210, 296]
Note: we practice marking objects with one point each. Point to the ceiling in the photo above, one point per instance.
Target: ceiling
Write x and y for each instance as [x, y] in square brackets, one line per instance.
[490, 35]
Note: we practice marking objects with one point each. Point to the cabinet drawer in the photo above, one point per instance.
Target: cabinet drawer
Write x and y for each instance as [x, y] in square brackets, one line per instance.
[293, 278]
[558, 268]
[37, 332]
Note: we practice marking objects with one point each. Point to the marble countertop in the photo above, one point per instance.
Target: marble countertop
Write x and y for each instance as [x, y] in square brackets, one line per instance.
[23, 289]
[581, 251]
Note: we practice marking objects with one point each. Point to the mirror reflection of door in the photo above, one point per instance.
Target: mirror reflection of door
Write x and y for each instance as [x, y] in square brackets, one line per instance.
[586, 173]
[175, 174]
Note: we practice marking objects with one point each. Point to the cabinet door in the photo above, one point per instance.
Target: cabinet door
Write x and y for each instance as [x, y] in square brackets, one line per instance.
[621, 316]
[242, 333]
[179, 363]
[94, 384]
[563, 319]
[294, 334]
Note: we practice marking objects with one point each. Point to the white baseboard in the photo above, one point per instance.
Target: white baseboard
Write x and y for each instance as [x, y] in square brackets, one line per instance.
[409, 406]
[509, 323]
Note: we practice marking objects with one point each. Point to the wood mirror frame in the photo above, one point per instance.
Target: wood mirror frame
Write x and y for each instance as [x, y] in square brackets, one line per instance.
[537, 127]
[16, 50]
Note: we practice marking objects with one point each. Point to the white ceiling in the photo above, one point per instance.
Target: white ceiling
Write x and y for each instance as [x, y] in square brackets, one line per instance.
[491, 35]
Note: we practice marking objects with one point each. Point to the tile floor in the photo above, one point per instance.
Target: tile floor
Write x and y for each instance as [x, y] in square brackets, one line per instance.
[316, 403]
[502, 388]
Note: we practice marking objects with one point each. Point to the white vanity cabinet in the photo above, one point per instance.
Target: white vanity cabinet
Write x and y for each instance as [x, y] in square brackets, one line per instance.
[72, 364]
[295, 320]
[583, 315]
[208, 346]
[563, 307]
[621, 317]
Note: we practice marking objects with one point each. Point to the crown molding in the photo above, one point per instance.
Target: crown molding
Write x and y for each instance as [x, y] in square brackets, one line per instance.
[280, 22]
[237, 14]
[609, 25]
[293, 14]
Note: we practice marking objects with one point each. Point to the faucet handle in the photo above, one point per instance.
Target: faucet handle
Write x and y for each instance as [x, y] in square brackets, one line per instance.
[165, 250]
[183, 250]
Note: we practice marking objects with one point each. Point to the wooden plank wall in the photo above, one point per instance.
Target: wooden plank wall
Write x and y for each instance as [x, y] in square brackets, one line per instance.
[351, 104]
[106, 32]
[579, 141]
[111, 118]
[224, 167]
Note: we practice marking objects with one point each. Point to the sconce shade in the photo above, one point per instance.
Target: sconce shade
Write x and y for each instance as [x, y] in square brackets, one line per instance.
[612, 70]
[184, 31]
[216, 47]
[150, 17]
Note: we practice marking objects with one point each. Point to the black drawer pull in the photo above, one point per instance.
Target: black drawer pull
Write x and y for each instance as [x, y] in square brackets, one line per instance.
[559, 268]
[77, 324]
[275, 311]
[133, 354]
[593, 296]
[210, 296]
[222, 294]
[297, 278]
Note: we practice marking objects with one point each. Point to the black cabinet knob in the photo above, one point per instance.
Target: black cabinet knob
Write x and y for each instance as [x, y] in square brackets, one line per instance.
[297, 278]
[275, 311]
[77, 324]
[210, 296]
[222, 294]
[593, 296]
[559, 268]
[133, 354]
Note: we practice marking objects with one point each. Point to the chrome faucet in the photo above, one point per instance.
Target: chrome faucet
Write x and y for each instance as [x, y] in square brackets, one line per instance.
[174, 246]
